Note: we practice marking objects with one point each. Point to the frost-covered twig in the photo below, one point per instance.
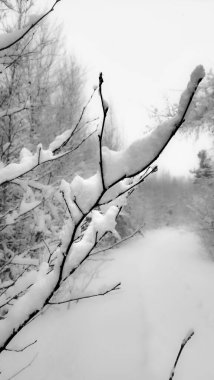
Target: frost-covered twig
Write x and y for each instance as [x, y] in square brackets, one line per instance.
[103, 293]
[183, 344]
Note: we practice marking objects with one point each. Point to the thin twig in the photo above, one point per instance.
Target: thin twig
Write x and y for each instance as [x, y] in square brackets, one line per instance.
[22, 369]
[115, 287]
[76, 204]
[75, 130]
[130, 188]
[105, 110]
[119, 242]
[21, 349]
[66, 203]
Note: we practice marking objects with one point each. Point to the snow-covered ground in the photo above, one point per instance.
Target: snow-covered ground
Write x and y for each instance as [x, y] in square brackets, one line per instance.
[133, 333]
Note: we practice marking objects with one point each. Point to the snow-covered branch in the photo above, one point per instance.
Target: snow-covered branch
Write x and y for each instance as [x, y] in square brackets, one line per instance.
[10, 39]
[143, 152]
[122, 171]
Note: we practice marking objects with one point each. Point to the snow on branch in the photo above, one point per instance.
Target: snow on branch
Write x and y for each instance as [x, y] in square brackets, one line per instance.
[9, 39]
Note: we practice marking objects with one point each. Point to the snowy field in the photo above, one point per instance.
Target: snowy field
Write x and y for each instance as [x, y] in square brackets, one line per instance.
[133, 333]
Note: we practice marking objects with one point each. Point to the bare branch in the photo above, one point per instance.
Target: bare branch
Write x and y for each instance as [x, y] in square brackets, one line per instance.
[21, 349]
[75, 130]
[183, 344]
[115, 287]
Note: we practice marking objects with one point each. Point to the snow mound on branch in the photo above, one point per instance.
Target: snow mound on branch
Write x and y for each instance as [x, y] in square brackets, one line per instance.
[85, 192]
[103, 223]
[138, 155]
[117, 194]
[59, 140]
[28, 161]
[196, 76]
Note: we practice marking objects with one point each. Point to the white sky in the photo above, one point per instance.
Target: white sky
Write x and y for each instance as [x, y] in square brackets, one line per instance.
[145, 49]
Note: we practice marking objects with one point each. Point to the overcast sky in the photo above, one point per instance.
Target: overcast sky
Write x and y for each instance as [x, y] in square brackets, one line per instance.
[145, 48]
